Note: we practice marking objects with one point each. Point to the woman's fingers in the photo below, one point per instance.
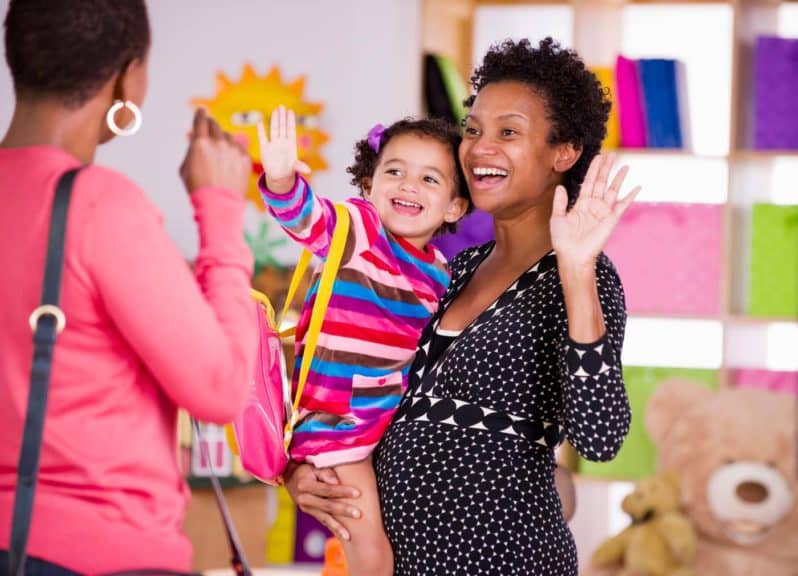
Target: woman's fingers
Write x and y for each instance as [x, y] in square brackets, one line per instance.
[312, 485]
[605, 165]
[625, 202]
[200, 127]
[310, 502]
[214, 130]
[586, 190]
[615, 187]
[334, 526]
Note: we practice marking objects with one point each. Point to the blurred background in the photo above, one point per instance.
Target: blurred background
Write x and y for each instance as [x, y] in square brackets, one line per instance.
[705, 113]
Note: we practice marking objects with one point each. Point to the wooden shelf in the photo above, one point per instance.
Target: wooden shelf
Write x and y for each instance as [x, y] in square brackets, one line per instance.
[579, 3]
[764, 154]
[667, 152]
[724, 318]
[674, 316]
[743, 319]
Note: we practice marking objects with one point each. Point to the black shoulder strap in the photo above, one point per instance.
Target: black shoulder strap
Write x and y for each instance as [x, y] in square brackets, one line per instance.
[239, 560]
[46, 322]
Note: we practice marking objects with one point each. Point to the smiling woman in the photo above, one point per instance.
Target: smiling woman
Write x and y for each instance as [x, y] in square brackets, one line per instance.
[525, 347]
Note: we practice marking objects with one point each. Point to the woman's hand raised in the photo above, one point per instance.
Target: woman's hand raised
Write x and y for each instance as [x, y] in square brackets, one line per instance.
[578, 235]
[214, 158]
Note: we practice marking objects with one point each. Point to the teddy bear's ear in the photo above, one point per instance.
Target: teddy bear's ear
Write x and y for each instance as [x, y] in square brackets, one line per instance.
[672, 398]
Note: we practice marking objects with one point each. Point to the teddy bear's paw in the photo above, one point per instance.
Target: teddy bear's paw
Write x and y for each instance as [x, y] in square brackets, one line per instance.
[608, 554]
[683, 546]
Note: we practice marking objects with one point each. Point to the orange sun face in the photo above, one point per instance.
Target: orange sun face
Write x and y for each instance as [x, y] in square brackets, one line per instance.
[238, 107]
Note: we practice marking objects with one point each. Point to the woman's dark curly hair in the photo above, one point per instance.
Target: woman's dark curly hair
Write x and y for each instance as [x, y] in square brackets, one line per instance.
[69, 49]
[366, 159]
[577, 105]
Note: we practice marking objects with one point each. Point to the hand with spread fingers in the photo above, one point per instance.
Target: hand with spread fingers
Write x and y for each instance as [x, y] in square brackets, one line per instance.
[214, 158]
[578, 235]
[278, 151]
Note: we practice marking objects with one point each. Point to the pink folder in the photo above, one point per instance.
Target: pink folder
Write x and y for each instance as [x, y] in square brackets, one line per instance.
[784, 382]
[669, 257]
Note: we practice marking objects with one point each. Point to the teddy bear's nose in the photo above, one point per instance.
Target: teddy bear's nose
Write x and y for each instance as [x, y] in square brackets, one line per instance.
[753, 492]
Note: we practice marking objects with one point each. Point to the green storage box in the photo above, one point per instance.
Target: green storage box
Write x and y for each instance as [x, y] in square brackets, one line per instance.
[774, 261]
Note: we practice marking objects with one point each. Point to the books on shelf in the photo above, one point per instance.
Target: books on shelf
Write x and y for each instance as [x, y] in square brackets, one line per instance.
[606, 75]
[651, 103]
[630, 104]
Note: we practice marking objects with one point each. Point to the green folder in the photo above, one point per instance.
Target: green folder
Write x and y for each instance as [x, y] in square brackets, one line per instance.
[456, 89]
[638, 455]
[774, 261]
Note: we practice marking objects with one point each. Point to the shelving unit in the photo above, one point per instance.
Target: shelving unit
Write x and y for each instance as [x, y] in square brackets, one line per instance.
[601, 29]
[715, 39]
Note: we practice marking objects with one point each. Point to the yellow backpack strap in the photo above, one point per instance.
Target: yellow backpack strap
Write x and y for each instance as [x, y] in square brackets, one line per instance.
[299, 272]
[330, 270]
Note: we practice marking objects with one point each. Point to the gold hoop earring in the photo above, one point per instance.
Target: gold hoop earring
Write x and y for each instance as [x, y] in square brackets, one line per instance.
[116, 107]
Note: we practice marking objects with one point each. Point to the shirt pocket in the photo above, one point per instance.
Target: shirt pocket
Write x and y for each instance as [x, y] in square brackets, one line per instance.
[373, 396]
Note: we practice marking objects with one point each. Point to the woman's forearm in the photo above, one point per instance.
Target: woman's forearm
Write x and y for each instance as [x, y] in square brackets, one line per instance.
[582, 305]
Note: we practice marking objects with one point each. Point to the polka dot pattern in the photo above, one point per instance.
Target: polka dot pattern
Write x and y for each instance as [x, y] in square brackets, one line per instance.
[466, 469]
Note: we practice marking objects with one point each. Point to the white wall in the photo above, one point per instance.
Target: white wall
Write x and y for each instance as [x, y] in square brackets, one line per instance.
[361, 58]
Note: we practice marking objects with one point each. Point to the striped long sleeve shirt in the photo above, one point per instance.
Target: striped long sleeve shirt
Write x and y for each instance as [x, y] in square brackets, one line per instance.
[384, 294]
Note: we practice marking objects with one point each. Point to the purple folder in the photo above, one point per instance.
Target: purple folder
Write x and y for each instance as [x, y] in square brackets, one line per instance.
[473, 230]
[776, 93]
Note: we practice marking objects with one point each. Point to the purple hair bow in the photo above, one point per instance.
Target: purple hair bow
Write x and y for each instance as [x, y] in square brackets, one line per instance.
[375, 137]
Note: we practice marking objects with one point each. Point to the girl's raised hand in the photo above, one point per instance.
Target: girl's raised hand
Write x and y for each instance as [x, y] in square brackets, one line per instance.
[278, 151]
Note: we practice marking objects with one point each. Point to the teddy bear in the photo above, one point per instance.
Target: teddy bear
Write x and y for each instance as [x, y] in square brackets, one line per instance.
[735, 451]
[660, 541]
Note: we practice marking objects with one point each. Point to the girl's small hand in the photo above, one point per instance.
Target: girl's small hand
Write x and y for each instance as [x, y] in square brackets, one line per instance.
[318, 492]
[579, 234]
[278, 151]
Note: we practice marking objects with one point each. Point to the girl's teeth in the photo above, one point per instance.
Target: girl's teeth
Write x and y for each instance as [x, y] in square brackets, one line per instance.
[408, 204]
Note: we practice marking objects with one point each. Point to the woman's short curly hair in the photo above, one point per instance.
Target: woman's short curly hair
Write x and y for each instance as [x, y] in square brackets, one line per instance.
[68, 50]
[366, 159]
[577, 105]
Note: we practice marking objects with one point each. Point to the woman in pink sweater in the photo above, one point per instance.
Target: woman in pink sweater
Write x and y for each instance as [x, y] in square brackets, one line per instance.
[144, 335]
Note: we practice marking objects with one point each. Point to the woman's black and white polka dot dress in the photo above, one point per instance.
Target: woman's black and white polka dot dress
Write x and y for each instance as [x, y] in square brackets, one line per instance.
[465, 471]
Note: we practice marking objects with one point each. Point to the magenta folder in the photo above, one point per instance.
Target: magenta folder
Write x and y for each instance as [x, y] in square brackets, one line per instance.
[631, 116]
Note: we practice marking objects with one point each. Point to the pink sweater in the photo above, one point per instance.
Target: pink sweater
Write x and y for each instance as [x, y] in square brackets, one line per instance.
[144, 335]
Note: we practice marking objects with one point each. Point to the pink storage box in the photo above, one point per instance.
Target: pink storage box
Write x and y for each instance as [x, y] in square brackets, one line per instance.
[669, 258]
[784, 382]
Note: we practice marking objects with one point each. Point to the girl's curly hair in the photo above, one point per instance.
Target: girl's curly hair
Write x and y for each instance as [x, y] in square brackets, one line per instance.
[366, 159]
[577, 105]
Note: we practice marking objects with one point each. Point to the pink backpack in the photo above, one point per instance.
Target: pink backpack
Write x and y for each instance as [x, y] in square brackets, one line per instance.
[262, 431]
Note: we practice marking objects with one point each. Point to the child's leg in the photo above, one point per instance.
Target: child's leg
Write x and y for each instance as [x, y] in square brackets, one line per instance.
[368, 553]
